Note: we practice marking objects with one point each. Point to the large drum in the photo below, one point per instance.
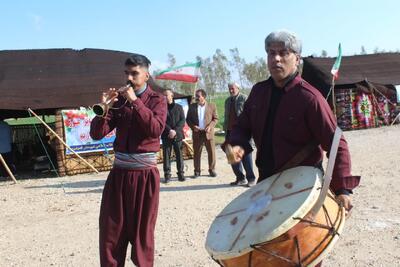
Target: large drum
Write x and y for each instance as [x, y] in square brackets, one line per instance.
[271, 224]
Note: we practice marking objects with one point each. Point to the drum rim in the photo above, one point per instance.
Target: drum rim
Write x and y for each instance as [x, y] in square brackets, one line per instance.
[283, 228]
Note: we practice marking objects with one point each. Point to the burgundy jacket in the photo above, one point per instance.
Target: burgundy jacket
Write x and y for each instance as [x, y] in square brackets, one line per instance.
[303, 116]
[139, 124]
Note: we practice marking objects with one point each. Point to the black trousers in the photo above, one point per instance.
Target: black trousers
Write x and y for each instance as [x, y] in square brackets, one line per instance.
[168, 145]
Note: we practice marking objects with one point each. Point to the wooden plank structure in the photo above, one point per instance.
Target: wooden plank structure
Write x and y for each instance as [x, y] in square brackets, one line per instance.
[56, 79]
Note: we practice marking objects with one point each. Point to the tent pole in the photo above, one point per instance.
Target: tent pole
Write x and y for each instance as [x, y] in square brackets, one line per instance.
[62, 141]
[395, 119]
[7, 169]
[44, 147]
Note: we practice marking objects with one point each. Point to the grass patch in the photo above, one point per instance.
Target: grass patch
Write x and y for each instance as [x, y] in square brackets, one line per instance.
[219, 101]
[219, 139]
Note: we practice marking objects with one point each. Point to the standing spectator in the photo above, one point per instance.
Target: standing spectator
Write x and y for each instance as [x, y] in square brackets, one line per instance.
[172, 137]
[233, 108]
[202, 118]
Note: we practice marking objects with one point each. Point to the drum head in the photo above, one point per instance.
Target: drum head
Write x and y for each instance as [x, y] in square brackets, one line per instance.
[263, 212]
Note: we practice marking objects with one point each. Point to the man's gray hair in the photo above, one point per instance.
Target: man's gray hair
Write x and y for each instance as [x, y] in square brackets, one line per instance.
[235, 84]
[290, 40]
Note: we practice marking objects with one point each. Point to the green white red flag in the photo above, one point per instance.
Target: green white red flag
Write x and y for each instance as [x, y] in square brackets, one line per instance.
[189, 73]
[336, 66]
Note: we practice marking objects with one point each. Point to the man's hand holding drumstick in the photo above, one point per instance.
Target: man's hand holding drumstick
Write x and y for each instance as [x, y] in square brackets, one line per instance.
[234, 154]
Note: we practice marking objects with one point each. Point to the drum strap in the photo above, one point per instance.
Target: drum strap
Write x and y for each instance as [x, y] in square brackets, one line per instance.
[329, 171]
[299, 157]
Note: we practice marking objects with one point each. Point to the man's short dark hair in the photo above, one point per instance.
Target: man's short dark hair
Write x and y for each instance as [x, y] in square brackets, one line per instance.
[202, 92]
[169, 90]
[137, 60]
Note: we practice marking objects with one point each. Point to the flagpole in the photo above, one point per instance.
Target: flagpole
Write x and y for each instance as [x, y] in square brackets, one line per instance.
[335, 72]
[395, 119]
[333, 96]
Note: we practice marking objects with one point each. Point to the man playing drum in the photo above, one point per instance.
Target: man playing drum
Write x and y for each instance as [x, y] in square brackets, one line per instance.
[285, 114]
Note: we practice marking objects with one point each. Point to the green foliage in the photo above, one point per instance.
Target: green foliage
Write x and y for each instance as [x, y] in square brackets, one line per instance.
[217, 71]
[256, 71]
[219, 101]
[363, 51]
[215, 74]
[238, 64]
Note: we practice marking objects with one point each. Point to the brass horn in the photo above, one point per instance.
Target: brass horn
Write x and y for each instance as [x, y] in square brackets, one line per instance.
[101, 109]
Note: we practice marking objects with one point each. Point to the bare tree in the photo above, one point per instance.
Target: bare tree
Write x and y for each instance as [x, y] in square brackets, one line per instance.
[256, 71]
[363, 52]
[238, 64]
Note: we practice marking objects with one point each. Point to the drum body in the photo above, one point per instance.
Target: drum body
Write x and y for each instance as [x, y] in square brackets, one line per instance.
[269, 224]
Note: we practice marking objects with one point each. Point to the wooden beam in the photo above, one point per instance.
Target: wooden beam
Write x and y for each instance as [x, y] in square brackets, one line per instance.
[62, 141]
[7, 169]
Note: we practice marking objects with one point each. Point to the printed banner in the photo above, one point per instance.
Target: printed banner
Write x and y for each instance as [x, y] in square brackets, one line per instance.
[185, 105]
[77, 128]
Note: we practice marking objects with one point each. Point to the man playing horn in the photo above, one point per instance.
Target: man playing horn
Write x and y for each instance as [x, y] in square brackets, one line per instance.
[129, 204]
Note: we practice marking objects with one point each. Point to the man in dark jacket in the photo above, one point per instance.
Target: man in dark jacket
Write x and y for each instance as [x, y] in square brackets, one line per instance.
[172, 137]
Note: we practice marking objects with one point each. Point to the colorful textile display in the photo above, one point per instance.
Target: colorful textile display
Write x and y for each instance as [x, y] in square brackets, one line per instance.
[356, 109]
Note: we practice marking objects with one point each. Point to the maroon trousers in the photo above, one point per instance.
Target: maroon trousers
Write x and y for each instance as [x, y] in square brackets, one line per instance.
[128, 213]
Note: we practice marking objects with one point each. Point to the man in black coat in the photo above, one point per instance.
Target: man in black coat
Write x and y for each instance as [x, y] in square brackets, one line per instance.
[172, 137]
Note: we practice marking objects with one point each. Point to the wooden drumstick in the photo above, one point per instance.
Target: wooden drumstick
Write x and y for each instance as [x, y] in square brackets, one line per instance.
[229, 154]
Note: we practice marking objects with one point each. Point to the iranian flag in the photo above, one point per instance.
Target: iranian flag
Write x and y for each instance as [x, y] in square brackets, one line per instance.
[189, 73]
[336, 66]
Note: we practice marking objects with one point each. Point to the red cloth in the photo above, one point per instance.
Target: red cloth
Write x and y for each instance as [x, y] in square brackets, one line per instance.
[129, 205]
[128, 213]
[139, 125]
[303, 116]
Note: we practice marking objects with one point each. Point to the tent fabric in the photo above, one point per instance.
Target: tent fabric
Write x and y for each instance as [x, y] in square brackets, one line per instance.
[356, 109]
[381, 69]
[49, 79]
[58, 78]
[365, 94]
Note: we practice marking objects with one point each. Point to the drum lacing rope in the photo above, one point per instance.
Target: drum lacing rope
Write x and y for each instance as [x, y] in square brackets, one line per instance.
[332, 232]
[263, 250]
[328, 219]
[298, 252]
[250, 257]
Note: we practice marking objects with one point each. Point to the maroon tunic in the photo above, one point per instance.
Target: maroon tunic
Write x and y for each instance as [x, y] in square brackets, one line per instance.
[303, 116]
[129, 204]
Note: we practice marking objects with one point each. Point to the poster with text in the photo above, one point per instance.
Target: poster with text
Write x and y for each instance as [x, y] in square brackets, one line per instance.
[185, 105]
[77, 127]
